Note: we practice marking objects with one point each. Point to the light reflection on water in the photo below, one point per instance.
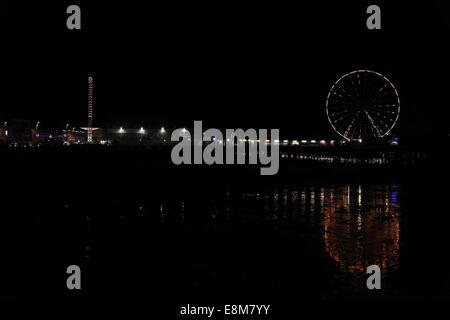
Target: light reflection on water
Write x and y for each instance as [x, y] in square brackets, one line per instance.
[354, 225]
[361, 227]
[358, 224]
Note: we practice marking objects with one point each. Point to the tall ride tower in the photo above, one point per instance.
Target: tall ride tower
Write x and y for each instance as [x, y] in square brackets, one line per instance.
[89, 127]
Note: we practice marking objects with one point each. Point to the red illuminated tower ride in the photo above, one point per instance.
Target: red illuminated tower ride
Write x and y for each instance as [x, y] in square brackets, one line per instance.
[89, 127]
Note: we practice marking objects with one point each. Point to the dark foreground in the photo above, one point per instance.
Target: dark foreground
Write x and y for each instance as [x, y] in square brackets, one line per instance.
[205, 238]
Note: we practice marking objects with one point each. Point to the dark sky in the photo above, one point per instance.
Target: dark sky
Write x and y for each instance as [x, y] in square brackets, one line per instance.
[267, 65]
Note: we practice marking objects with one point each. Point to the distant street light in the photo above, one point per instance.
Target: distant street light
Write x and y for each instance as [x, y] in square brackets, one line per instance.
[121, 130]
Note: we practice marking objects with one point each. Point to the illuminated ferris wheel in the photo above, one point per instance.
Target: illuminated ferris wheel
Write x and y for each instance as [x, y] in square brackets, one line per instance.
[363, 104]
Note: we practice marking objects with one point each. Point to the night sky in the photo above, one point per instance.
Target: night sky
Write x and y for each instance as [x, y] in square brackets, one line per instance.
[259, 65]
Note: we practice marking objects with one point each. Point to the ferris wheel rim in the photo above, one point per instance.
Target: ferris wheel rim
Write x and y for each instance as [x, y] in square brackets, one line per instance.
[397, 98]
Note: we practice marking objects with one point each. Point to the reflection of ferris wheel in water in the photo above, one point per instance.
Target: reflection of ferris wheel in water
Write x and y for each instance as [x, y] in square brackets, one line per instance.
[363, 104]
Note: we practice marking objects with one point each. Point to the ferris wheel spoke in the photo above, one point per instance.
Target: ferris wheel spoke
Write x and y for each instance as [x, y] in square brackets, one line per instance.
[386, 120]
[386, 110]
[379, 114]
[385, 116]
[337, 113]
[380, 90]
[350, 126]
[363, 85]
[339, 100]
[384, 99]
[338, 96]
[341, 105]
[375, 91]
[346, 93]
[373, 124]
[386, 105]
[386, 95]
[353, 88]
[342, 102]
[382, 120]
[369, 84]
[338, 108]
[345, 110]
[358, 130]
[343, 119]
